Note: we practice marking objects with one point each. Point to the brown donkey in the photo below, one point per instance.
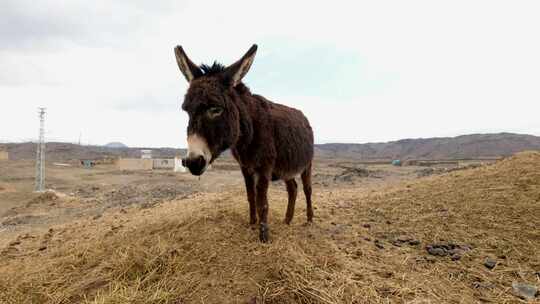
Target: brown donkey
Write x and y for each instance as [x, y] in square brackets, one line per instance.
[270, 141]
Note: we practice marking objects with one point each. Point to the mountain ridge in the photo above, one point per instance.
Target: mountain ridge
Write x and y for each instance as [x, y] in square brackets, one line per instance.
[462, 146]
[487, 145]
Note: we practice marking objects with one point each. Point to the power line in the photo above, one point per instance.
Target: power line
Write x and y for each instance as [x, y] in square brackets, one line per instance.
[40, 153]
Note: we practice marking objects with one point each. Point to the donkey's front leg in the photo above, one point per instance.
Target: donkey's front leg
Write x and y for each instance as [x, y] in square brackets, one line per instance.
[263, 181]
[250, 189]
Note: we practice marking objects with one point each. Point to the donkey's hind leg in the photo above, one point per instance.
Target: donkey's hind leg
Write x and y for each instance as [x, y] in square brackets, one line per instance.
[306, 183]
[292, 188]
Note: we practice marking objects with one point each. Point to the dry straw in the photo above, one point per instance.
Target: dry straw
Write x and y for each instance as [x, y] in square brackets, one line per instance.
[361, 249]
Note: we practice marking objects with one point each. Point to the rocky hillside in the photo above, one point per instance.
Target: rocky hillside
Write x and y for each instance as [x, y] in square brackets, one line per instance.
[465, 146]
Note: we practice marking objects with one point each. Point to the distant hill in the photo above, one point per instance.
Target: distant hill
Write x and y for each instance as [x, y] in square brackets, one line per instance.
[115, 145]
[465, 146]
[58, 151]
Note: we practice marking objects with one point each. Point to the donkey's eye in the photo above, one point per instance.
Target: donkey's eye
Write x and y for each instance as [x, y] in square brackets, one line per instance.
[215, 111]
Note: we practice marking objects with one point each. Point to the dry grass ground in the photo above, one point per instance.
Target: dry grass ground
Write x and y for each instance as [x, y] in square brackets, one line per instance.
[366, 246]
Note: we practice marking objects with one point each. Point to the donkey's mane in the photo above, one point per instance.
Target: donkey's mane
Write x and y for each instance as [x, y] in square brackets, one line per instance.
[213, 69]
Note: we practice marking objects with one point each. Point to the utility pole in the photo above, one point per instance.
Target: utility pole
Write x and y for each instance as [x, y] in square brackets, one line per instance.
[40, 153]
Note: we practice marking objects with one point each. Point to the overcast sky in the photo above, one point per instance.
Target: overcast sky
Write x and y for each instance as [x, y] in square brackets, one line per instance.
[360, 71]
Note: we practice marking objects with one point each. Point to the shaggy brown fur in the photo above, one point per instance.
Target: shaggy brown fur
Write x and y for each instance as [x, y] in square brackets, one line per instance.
[270, 141]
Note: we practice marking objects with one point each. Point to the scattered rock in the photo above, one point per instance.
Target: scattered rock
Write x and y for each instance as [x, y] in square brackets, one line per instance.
[436, 251]
[366, 226]
[447, 249]
[456, 257]
[378, 244]
[524, 291]
[405, 240]
[41, 248]
[490, 263]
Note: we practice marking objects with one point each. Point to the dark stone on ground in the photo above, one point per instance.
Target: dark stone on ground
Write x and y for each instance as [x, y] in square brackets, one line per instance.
[490, 263]
[447, 249]
[456, 257]
[525, 291]
[436, 251]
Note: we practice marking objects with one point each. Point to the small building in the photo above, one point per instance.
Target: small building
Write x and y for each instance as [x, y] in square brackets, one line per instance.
[163, 163]
[146, 154]
[134, 164]
[4, 155]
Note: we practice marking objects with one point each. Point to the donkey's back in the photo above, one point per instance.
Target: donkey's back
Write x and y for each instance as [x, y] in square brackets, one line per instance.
[292, 138]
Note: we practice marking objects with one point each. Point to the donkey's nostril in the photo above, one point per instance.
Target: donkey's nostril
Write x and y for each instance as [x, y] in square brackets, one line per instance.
[201, 161]
[196, 165]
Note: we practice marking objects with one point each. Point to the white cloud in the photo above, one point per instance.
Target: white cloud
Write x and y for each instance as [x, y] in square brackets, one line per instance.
[459, 67]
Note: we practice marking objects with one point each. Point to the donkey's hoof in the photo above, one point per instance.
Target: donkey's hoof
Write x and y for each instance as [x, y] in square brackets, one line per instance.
[263, 233]
[287, 221]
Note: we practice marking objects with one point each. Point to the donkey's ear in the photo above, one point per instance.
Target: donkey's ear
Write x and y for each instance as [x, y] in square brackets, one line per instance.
[236, 71]
[187, 67]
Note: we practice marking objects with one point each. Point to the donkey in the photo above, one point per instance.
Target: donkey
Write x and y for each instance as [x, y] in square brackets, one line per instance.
[269, 141]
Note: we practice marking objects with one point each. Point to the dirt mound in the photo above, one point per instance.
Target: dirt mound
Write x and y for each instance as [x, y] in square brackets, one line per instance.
[364, 247]
[349, 174]
[43, 198]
